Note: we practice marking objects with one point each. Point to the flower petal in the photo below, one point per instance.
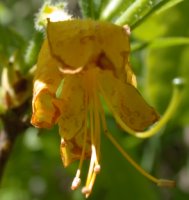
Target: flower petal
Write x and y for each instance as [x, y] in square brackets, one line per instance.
[47, 78]
[71, 149]
[72, 121]
[126, 102]
[126, 74]
[72, 42]
[76, 43]
[45, 110]
[114, 42]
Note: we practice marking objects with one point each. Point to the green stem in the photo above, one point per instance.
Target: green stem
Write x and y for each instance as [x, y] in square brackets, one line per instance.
[110, 9]
[156, 7]
[132, 14]
[140, 10]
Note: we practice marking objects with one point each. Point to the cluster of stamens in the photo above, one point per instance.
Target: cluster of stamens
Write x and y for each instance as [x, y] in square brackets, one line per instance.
[94, 119]
[92, 127]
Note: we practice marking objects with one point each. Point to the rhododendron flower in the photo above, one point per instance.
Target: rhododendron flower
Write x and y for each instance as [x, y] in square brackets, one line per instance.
[80, 62]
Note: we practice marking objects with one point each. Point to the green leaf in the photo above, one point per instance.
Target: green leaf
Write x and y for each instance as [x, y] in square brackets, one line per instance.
[140, 10]
[168, 5]
[135, 12]
[112, 8]
[157, 9]
[169, 41]
[160, 43]
[9, 41]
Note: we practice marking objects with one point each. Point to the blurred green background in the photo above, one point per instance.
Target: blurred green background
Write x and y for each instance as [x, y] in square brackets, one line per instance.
[35, 171]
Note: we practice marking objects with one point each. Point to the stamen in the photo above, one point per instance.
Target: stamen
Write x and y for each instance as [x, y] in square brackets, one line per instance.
[93, 171]
[76, 182]
[94, 167]
[159, 182]
[166, 183]
[91, 184]
[91, 167]
[94, 124]
[86, 191]
[97, 125]
[97, 169]
[93, 154]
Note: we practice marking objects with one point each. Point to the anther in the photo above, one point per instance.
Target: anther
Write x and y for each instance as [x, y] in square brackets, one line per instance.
[97, 169]
[63, 143]
[86, 191]
[166, 183]
[75, 184]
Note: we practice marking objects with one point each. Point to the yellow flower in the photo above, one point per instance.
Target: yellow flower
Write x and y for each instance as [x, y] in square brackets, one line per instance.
[90, 60]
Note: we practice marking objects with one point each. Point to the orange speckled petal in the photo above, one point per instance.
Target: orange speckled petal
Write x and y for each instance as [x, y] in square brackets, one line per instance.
[71, 149]
[72, 42]
[46, 81]
[45, 110]
[75, 43]
[127, 102]
[114, 42]
[73, 106]
[72, 121]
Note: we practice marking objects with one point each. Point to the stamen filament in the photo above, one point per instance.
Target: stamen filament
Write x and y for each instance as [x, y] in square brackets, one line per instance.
[76, 181]
[159, 182]
[94, 124]
[93, 150]
[91, 184]
[92, 164]
[97, 125]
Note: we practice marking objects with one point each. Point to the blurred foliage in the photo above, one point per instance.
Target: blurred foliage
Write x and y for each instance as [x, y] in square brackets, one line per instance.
[160, 53]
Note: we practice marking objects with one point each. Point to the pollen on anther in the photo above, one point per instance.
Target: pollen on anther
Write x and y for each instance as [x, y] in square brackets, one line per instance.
[166, 183]
[75, 184]
[97, 169]
[86, 190]
[63, 143]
